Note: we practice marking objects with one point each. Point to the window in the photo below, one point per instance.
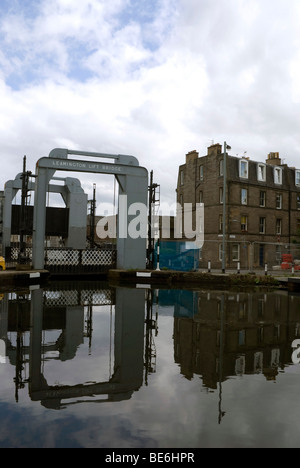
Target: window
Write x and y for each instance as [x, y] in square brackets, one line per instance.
[240, 364]
[201, 197]
[242, 310]
[259, 356]
[278, 227]
[221, 194]
[242, 337]
[298, 202]
[201, 172]
[261, 172]
[181, 178]
[235, 252]
[262, 199]
[278, 175]
[297, 178]
[278, 201]
[261, 308]
[260, 334]
[221, 167]
[278, 254]
[262, 225]
[275, 357]
[244, 196]
[276, 332]
[244, 168]
[220, 252]
[244, 223]
[221, 223]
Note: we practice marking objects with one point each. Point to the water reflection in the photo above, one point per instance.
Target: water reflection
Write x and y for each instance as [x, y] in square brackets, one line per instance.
[218, 335]
[223, 334]
[71, 345]
[51, 324]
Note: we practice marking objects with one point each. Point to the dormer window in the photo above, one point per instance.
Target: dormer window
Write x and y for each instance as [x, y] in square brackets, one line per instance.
[261, 172]
[278, 175]
[244, 164]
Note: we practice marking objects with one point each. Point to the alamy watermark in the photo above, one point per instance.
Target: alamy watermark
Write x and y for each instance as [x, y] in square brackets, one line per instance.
[133, 222]
[296, 352]
[2, 352]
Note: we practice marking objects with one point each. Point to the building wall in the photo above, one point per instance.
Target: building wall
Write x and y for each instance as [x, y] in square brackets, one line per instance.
[201, 179]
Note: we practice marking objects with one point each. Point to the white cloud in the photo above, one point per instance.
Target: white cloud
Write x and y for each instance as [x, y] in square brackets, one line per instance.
[117, 77]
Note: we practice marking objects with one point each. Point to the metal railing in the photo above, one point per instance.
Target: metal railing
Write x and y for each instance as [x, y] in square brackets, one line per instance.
[66, 260]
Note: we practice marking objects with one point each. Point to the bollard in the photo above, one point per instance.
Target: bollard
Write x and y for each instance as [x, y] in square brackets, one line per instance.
[238, 268]
[209, 266]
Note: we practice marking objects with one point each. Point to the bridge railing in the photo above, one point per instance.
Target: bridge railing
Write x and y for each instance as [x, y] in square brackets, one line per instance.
[67, 260]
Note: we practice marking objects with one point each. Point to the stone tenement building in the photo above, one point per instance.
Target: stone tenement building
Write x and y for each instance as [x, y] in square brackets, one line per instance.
[262, 208]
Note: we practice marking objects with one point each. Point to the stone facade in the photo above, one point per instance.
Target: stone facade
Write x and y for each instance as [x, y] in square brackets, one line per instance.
[262, 207]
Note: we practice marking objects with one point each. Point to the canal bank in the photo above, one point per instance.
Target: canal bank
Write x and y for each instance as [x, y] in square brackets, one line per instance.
[19, 278]
[186, 280]
[157, 278]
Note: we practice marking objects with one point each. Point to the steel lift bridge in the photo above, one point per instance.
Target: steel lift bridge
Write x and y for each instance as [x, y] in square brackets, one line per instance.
[132, 180]
[74, 198]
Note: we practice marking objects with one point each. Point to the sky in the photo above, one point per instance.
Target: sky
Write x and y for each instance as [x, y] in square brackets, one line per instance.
[150, 78]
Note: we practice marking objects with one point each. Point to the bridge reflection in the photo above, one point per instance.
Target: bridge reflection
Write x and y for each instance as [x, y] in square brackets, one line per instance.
[26, 319]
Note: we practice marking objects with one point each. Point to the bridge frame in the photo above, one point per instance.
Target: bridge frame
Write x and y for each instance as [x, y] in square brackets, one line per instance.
[133, 182]
[74, 198]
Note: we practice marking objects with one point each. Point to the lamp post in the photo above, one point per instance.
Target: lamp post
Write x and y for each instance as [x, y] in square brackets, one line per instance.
[226, 147]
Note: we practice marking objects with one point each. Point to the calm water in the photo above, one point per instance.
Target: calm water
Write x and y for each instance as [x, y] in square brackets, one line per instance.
[86, 365]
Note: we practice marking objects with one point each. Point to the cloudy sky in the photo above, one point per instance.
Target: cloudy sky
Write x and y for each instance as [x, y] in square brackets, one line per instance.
[151, 78]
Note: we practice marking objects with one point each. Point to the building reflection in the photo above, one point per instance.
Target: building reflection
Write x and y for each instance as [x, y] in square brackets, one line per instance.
[218, 334]
[26, 318]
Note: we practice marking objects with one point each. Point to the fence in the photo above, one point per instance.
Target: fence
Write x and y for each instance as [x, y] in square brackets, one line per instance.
[72, 296]
[66, 260]
[13, 257]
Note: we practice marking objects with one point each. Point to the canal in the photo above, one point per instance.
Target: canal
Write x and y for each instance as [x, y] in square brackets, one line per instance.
[93, 366]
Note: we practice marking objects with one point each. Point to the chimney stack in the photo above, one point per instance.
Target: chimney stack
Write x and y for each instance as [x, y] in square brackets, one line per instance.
[214, 150]
[191, 156]
[273, 159]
